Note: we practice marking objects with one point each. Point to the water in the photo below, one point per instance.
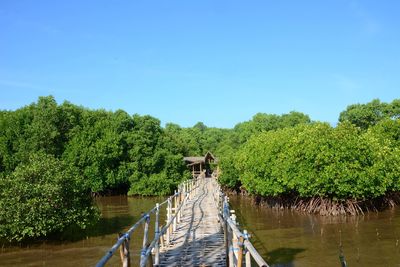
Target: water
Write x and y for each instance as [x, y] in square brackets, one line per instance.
[289, 238]
[284, 238]
[85, 249]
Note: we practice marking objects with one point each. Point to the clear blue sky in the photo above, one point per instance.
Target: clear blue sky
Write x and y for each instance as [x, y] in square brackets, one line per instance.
[219, 62]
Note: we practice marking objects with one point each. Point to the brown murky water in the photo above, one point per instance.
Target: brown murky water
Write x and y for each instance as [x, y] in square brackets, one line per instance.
[289, 238]
[284, 238]
[85, 249]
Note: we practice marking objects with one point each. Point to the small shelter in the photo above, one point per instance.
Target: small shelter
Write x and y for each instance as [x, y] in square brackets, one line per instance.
[199, 164]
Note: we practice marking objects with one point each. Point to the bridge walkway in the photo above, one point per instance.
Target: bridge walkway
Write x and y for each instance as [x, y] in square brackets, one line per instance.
[198, 239]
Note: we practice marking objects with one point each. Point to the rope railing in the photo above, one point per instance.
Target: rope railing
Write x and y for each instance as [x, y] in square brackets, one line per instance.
[162, 235]
[237, 243]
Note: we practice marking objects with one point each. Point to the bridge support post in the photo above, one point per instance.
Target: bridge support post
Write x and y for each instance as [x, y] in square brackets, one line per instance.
[240, 251]
[181, 199]
[175, 211]
[157, 231]
[169, 213]
[124, 252]
[145, 239]
[190, 189]
[178, 214]
[247, 256]
[234, 242]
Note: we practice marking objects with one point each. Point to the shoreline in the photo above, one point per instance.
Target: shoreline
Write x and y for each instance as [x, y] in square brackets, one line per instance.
[321, 205]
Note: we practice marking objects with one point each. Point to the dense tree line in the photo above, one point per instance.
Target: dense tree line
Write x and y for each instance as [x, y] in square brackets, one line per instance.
[358, 159]
[54, 157]
[319, 160]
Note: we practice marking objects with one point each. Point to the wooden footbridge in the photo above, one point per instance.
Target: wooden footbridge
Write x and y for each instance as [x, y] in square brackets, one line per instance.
[199, 230]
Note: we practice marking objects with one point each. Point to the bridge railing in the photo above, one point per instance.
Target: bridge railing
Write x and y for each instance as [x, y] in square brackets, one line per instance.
[162, 235]
[237, 242]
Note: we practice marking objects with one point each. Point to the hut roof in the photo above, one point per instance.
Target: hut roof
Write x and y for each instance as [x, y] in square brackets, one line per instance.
[191, 160]
[194, 159]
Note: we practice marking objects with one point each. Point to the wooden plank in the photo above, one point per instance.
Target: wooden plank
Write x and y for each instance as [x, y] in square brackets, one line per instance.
[198, 239]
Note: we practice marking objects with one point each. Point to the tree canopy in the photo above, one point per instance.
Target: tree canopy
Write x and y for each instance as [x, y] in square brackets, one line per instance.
[53, 157]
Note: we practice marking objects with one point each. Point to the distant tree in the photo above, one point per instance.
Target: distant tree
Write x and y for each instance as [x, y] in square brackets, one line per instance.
[369, 114]
[200, 126]
[293, 118]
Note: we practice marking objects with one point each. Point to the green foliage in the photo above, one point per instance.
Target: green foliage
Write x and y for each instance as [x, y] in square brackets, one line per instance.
[318, 160]
[388, 129]
[229, 176]
[41, 197]
[97, 148]
[110, 150]
[66, 151]
[367, 115]
[262, 122]
[52, 156]
[154, 184]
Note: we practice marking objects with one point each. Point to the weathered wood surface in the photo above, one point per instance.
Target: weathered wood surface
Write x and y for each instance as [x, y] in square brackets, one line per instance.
[198, 239]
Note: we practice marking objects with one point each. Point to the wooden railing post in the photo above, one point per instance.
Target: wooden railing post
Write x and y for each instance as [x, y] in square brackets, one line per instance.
[145, 239]
[181, 200]
[191, 189]
[157, 231]
[178, 214]
[235, 246]
[240, 251]
[169, 213]
[124, 252]
[230, 251]
[247, 256]
[226, 238]
[237, 243]
[182, 193]
[175, 211]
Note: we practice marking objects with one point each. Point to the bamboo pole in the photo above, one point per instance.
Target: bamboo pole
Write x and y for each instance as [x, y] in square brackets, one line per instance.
[240, 251]
[178, 215]
[180, 201]
[169, 212]
[234, 238]
[175, 210]
[247, 253]
[145, 238]
[124, 252]
[226, 241]
[157, 231]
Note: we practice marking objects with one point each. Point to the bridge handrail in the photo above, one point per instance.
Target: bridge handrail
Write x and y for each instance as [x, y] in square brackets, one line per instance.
[185, 191]
[236, 241]
[158, 235]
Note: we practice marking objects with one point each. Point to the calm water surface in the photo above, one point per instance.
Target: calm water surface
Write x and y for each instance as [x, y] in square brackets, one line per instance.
[85, 249]
[289, 238]
[284, 238]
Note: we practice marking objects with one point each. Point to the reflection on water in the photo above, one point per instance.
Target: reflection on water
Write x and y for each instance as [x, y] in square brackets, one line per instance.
[85, 248]
[284, 238]
[289, 238]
